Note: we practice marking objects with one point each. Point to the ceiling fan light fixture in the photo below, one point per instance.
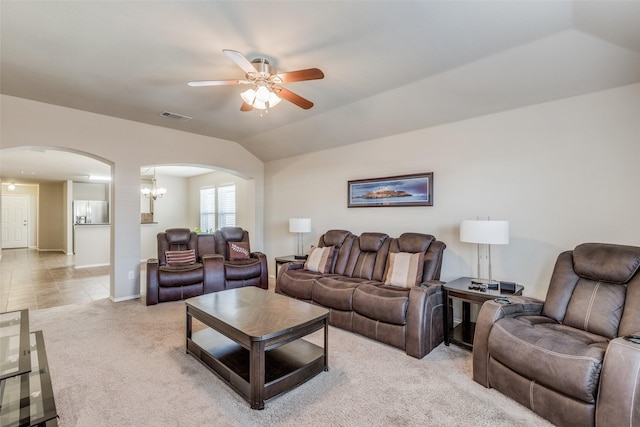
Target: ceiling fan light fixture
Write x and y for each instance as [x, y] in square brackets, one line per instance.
[262, 94]
[274, 99]
[248, 96]
[261, 98]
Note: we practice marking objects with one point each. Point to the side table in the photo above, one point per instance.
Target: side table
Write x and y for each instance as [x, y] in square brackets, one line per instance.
[459, 290]
[285, 259]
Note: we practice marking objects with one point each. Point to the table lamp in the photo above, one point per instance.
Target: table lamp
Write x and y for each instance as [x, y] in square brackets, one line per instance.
[300, 226]
[488, 233]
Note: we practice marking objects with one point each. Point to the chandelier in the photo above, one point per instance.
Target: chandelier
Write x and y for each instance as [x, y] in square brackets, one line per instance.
[154, 192]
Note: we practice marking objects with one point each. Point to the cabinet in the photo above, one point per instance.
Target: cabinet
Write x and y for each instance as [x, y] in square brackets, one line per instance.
[26, 395]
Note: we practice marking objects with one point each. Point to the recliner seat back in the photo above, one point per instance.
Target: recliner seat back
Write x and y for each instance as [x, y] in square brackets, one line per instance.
[229, 234]
[368, 256]
[590, 287]
[342, 241]
[421, 243]
[176, 239]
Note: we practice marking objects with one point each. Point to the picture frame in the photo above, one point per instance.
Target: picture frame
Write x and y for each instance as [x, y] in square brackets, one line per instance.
[402, 190]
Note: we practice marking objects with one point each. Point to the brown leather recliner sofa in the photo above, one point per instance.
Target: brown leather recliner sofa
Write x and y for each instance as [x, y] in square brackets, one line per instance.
[571, 358]
[209, 270]
[353, 288]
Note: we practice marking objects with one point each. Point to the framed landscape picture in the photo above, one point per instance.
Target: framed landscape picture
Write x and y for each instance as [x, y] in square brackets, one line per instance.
[404, 190]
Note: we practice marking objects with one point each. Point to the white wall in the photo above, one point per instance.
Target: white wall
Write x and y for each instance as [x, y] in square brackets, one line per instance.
[170, 211]
[127, 146]
[562, 173]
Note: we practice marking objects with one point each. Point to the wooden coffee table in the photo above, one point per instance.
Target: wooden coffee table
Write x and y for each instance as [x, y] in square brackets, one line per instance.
[253, 340]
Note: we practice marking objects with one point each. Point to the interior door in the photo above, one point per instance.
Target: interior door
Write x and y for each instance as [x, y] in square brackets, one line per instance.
[15, 211]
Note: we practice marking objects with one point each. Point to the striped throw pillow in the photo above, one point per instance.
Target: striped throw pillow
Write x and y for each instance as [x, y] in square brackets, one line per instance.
[320, 260]
[404, 269]
[187, 257]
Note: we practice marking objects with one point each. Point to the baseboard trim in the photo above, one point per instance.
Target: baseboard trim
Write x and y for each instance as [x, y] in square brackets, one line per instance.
[91, 265]
[120, 299]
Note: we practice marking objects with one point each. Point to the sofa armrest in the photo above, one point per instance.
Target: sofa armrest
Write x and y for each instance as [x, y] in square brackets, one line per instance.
[619, 392]
[214, 279]
[424, 319]
[490, 312]
[152, 281]
[264, 273]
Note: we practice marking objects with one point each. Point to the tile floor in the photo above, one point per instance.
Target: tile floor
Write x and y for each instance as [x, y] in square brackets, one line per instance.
[33, 279]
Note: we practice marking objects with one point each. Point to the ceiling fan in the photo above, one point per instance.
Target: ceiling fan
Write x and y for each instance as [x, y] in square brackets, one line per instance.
[266, 83]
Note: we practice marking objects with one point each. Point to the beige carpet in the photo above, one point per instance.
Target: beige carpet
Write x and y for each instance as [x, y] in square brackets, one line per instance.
[125, 364]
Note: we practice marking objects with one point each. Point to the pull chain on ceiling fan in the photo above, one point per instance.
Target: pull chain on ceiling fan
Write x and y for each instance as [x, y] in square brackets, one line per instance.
[266, 83]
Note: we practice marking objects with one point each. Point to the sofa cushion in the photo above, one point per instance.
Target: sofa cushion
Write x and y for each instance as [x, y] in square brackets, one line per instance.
[336, 292]
[404, 269]
[386, 304]
[297, 283]
[178, 236]
[412, 242]
[238, 250]
[187, 257]
[554, 355]
[335, 237]
[606, 262]
[320, 260]
[180, 275]
[372, 242]
[242, 269]
[596, 307]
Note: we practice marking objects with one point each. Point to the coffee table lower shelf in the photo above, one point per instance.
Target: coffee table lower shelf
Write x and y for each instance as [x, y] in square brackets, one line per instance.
[286, 366]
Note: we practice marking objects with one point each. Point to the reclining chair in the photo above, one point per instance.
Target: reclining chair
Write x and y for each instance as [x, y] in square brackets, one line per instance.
[241, 266]
[573, 358]
[179, 272]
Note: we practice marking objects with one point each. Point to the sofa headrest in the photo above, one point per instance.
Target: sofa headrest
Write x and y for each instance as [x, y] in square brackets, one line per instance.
[371, 242]
[606, 262]
[414, 242]
[178, 236]
[232, 234]
[335, 237]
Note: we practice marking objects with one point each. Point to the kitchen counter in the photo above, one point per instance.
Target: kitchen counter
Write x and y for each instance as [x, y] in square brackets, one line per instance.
[92, 245]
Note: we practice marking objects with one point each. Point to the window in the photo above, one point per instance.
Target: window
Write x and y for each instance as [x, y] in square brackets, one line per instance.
[220, 211]
[227, 206]
[208, 209]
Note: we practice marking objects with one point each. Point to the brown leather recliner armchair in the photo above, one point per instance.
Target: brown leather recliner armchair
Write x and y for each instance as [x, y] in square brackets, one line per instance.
[241, 266]
[571, 358]
[183, 279]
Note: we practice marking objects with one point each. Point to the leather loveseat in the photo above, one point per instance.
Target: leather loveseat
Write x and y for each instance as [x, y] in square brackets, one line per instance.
[571, 358]
[359, 287]
[203, 265]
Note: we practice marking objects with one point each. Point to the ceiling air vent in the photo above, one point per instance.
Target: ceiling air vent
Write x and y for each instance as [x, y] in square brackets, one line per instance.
[175, 116]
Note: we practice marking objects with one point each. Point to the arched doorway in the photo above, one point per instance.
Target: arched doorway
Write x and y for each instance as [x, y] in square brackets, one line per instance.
[44, 271]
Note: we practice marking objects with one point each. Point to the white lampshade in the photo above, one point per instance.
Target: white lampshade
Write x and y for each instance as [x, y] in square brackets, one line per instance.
[300, 225]
[484, 232]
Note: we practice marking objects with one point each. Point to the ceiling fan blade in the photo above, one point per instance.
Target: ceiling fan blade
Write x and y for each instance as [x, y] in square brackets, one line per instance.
[217, 82]
[293, 98]
[246, 107]
[300, 75]
[240, 60]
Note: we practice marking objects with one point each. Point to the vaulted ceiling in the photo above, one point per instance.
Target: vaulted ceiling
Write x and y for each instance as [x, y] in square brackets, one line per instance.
[390, 66]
